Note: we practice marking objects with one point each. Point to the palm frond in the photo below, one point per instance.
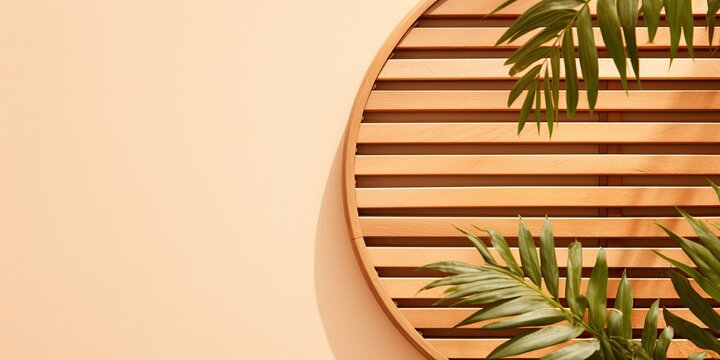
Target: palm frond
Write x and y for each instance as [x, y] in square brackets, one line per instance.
[524, 295]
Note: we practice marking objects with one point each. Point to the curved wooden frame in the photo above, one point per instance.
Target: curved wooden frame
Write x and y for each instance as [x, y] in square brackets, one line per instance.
[351, 210]
[622, 152]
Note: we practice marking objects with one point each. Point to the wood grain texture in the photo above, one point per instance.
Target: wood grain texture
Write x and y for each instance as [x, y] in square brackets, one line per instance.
[446, 318]
[644, 288]
[627, 227]
[537, 164]
[466, 38]
[480, 348]
[571, 133]
[550, 196]
[449, 48]
[481, 8]
[496, 100]
[415, 257]
[495, 69]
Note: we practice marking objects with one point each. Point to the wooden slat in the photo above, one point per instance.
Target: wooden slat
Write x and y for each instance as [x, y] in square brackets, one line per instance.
[494, 69]
[466, 8]
[496, 100]
[546, 196]
[446, 318]
[537, 164]
[645, 288]
[414, 257]
[480, 348]
[571, 133]
[563, 227]
[467, 38]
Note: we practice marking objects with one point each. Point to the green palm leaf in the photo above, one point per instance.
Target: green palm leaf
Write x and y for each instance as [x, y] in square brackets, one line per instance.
[628, 14]
[577, 351]
[691, 331]
[479, 245]
[610, 28]
[588, 56]
[548, 259]
[663, 342]
[650, 328]
[530, 318]
[694, 301]
[535, 339]
[572, 283]
[597, 292]
[506, 308]
[651, 15]
[624, 303]
[501, 246]
[571, 79]
[528, 254]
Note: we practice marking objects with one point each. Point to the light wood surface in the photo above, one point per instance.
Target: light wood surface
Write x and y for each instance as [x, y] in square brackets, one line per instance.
[480, 348]
[626, 227]
[486, 37]
[446, 318]
[549, 196]
[429, 112]
[571, 133]
[415, 257]
[496, 100]
[482, 8]
[643, 288]
[348, 183]
[537, 164]
[495, 69]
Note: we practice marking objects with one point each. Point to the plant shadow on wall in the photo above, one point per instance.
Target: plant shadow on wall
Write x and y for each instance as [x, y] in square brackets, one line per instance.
[528, 294]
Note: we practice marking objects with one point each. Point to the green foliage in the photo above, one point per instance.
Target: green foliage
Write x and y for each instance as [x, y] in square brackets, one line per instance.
[552, 22]
[524, 295]
[517, 296]
[705, 255]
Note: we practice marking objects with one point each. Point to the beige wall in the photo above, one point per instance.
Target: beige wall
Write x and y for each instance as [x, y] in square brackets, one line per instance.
[169, 175]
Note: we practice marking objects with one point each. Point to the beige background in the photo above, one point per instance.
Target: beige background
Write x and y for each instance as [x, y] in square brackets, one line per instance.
[169, 175]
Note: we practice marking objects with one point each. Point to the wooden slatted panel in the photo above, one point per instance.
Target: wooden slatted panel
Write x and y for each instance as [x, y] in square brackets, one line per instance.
[469, 100]
[493, 196]
[435, 145]
[414, 257]
[446, 318]
[537, 164]
[466, 8]
[571, 133]
[485, 38]
[480, 348]
[615, 227]
[495, 69]
[646, 288]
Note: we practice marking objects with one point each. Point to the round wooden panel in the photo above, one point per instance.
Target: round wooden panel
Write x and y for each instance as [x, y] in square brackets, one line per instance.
[431, 144]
